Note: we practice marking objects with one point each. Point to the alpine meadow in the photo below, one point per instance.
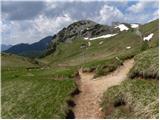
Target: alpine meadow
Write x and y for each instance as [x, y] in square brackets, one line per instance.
[80, 59]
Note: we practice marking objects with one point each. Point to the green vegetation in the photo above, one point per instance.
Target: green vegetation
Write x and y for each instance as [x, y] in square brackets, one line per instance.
[36, 93]
[33, 91]
[71, 54]
[137, 97]
[132, 99]
[103, 67]
[11, 61]
[146, 65]
[102, 58]
[149, 28]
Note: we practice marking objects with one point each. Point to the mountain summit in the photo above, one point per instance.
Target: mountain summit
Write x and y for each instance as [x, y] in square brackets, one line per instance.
[83, 28]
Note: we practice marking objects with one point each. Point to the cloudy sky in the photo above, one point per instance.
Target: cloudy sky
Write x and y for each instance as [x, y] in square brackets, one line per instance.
[30, 21]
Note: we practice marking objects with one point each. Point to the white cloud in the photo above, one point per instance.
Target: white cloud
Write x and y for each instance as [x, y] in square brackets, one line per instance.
[137, 7]
[109, 14]
[56, 15]
[52, 25]
[30, 31]
[154, 16]
[15, 32]
[142, 5]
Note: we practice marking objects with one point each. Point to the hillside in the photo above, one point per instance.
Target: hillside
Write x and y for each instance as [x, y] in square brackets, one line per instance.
[11, 61]
[31, 50]
[104, 55]
[104, 48]
[137, 97]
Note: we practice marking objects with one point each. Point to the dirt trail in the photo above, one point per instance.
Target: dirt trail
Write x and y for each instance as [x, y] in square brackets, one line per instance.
[87, 102]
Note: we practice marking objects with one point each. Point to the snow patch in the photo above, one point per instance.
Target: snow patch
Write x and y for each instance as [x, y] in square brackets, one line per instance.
[103, 36]
[148, 37]
[122, 27]
[86, 38]
[134, 25]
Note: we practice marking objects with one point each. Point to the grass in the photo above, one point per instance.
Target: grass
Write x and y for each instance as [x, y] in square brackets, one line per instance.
[43, 92]
[71, 53]
[149, 28]
[36, 93]
[11, 61]
[103, 67]
[101, 58]
[146, 65]
[140, 98]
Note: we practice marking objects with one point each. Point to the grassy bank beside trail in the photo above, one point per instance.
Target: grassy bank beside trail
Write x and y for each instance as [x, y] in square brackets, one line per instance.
[103, 67]
[136, 97]
[38, 93]
[146, 65]
[132, 99]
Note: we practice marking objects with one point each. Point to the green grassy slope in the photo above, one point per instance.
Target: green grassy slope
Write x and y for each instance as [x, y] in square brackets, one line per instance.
[152, 27]
[37, 93]
[102, 58]
[137, 97]
[34, 93]
[72, 54]
[9, 61]
[146, 65]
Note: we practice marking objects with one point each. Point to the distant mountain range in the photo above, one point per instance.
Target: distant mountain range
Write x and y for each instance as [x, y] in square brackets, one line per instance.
[36, 49]
[5, 47]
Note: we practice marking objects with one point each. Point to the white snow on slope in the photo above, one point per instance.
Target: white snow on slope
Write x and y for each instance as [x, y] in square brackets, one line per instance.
[148, 37]
[122, 27]
[134, 25]
[103, 36]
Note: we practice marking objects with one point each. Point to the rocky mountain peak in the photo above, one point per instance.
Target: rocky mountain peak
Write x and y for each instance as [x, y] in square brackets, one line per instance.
[83, 28]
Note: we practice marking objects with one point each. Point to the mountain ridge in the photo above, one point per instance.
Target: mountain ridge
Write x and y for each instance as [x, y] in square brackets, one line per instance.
[31, 50]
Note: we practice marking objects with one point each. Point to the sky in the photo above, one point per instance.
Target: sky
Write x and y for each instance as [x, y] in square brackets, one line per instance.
[30, 21]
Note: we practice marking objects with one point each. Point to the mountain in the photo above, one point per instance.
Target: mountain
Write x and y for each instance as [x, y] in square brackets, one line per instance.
[31, 50]
[5, 47]
[69, 49]
[81, 29]
[87, 29]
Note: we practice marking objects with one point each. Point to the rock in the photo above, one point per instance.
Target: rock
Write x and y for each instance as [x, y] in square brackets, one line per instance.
[101, 42]
[128, 47]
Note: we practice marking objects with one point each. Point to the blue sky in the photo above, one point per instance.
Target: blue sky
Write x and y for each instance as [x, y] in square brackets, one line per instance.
[30, 21]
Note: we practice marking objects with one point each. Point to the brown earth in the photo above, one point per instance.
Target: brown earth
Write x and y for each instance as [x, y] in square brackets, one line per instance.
[87, 102]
